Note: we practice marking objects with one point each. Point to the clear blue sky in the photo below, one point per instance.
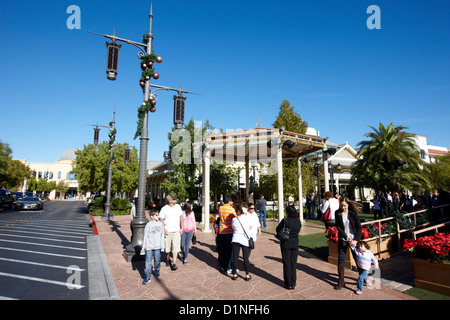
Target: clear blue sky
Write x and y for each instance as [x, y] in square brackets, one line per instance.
[243, 57]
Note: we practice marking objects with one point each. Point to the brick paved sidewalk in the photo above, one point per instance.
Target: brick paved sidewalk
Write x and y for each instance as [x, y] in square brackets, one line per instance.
[201, 280]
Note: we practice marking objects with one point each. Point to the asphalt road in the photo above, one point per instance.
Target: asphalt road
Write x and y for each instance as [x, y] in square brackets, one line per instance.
[43, 254]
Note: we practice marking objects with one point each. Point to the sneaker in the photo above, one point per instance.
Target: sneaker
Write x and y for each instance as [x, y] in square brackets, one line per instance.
[146, 280]
[156, 274]
[185, 262]
[369, 284]
[174, 267]
[359, 292]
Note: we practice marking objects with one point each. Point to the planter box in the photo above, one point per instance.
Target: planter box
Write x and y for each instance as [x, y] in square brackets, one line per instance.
[350, 263]
[386, 248]
[432, 276]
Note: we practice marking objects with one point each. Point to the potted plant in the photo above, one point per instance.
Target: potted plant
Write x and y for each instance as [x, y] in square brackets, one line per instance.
[430, 257]
[332, 235]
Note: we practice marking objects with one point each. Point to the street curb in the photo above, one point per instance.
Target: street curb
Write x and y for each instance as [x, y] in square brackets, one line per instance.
[101, 282]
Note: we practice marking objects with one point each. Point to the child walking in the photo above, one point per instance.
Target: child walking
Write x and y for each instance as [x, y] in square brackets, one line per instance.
[364, 260]
[152, 245]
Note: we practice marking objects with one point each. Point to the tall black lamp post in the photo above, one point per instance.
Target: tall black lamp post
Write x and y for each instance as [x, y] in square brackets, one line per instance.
[147, 59]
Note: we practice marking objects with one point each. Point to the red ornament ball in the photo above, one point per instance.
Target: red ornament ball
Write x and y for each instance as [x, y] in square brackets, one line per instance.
[156, 75]
[142, 84]
[153, 102]
[152, 109]
[158, 59]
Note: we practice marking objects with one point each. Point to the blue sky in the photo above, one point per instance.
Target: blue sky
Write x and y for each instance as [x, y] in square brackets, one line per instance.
[243, 58]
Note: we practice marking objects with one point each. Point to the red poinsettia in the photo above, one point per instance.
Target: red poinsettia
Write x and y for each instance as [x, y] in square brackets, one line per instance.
[332, 234]
[365, 234]
[434, 248]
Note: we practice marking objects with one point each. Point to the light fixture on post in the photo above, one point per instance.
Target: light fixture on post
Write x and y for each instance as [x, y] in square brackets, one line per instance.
[178, 111]
[127, 155]
[96, 134]
[112, 61]
[289, 144]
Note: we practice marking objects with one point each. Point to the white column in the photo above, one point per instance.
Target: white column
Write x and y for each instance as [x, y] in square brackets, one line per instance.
[280, 182]
[326, 176]
[206, 189]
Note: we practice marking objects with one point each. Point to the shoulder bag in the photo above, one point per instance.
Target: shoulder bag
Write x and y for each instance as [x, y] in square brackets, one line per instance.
[251, 243]
[283, 234]
[326, 216]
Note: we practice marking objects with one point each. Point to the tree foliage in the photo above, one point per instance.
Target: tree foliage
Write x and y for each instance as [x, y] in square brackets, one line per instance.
[91, 171]
[12, 172]
[390, 161]
[289, 120]
[439, 173]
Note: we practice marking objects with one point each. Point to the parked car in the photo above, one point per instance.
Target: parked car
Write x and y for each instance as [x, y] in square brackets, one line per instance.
[17, 195]
[30, 203]
[6, 198]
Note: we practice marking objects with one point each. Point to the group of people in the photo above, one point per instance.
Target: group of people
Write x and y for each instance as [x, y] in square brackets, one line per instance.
[171, 230]
[235, 229]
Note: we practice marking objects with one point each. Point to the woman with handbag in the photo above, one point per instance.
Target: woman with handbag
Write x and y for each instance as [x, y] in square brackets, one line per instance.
[328, 209]
[287, 231]
[241, 240]
[349, 229]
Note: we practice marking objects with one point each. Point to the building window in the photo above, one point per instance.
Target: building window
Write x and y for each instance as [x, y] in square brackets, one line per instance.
[59, 174]
[70, 176]
[422, 154]
[40, 174]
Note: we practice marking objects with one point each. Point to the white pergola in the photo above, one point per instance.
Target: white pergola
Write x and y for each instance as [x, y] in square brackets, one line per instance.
[255, 145]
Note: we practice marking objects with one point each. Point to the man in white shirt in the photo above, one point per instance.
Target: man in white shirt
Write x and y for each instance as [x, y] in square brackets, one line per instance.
[171, 216]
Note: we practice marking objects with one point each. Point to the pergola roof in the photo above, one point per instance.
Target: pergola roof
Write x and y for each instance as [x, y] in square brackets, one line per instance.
[260, 144]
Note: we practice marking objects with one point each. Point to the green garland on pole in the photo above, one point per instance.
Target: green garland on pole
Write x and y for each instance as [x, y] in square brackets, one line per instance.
[112, 139]
[147, 62]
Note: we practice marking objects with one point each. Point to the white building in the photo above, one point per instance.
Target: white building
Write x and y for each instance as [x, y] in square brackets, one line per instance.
[59, 171]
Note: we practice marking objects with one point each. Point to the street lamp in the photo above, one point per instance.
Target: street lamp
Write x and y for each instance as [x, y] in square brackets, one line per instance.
[112, 60]
[147, 59]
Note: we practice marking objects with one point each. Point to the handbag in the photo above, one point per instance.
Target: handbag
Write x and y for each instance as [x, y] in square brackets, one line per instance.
[251, 243]
[194, 239]
[283, 234]
[326, 216]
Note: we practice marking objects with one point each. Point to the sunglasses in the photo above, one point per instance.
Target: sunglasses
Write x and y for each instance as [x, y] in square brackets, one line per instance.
[251, 208]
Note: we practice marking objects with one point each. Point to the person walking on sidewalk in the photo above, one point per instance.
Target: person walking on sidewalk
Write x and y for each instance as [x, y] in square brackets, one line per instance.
[289, 247]
[189, 229]
[225, 235]
[364, 260]
[171, 216]
[152, 245]
[349, 229]
[262, 203]
[255, 225]
[241, 230]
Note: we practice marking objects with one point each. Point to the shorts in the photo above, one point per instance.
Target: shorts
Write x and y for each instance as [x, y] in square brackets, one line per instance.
[173, 240]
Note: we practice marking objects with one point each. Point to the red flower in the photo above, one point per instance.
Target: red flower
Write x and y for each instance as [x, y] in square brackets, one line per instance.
[436, 247]
[332, 234]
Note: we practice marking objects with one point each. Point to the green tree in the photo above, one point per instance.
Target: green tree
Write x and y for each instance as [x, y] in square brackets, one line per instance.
[390, 161]
[91, 170]
[439, 172]
[289, 120]
[12, 172]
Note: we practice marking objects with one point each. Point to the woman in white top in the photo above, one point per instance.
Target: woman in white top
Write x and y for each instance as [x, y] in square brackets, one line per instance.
[332, 203]
[241, 234]
[255, 225]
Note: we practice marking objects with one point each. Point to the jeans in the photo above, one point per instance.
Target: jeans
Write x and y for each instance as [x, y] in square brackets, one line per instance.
[149, 255]
[262, 217]
[362, 277]
[186, 242]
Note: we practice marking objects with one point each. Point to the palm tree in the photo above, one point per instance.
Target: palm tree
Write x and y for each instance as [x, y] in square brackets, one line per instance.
[390, 161]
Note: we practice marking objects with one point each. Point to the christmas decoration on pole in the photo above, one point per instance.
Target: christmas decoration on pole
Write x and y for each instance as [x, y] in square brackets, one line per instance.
[112, 139]
[148, 72]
